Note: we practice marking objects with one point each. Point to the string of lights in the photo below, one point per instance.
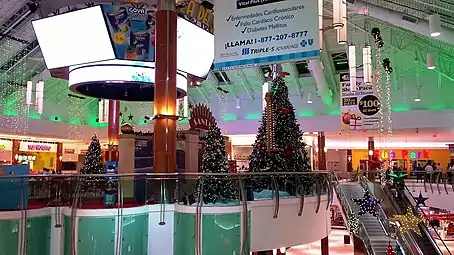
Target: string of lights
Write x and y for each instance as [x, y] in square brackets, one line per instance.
[378, 84]
[20, 71]
[222, 110]
[389, 111]
[7, 121]
[75, 118]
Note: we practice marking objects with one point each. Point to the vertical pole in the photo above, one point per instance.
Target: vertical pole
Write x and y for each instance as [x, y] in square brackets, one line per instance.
[15, 151]
[113, 122]
[58, 165]
[370, 153]
[165, 91]
[321, 151]
[349, 160]
[322, 166]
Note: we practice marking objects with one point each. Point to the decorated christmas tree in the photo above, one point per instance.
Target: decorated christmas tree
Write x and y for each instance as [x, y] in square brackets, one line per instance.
[216, 189]
[288, 153]
[93, 162]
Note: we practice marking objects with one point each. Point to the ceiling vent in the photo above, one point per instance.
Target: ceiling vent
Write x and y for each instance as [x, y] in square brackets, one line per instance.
[340, 61]
[222, 78]
[410, 19]
[303, 69]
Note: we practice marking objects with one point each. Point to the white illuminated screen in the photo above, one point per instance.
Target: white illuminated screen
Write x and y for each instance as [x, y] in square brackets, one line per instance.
[195, 46]
[73, 38]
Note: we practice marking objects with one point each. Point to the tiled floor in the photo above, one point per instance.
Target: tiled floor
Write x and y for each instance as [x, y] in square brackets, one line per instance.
[336, 245]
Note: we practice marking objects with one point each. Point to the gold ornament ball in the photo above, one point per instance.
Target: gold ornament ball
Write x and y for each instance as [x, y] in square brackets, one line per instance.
[127, 129]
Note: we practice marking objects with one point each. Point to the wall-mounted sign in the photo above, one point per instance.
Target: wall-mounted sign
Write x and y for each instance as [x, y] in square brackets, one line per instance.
[424, 154]
[201, 117]
[2, 147]
[197, 14]
[69, 151]
[6, 145]
[38, 147]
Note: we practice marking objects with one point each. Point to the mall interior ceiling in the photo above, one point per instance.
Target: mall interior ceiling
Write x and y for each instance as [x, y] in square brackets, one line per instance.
[404, 29]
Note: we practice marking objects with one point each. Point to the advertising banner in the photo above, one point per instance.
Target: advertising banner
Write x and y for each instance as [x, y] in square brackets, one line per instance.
[252, 32]
[359, 109]
[132, 28]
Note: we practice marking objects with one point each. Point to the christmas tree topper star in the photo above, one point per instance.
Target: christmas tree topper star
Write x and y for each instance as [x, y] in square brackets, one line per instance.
[398, 177]
[420, 200]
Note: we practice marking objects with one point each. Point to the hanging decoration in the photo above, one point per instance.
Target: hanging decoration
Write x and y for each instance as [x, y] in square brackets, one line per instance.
[420, 200]
[388, 71]
[398, 178]
[352, 66]
[367, 65]
[39, 97]
[269, 121]
[378, 83]
[75, 118]
[342, 33]
[390, 250]
[222, 110]
[353, 223]
[408, 221]
[367, 204]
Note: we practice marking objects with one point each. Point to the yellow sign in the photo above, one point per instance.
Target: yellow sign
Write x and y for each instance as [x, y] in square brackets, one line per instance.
[196, 13]
[2, 147]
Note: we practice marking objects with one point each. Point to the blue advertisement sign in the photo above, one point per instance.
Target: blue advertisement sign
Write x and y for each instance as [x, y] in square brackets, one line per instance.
[111, 188]
[132, 28]
[251, 33]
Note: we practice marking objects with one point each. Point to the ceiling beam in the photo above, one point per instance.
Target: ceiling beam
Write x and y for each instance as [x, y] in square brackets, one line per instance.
[293, 70]
[246, 84]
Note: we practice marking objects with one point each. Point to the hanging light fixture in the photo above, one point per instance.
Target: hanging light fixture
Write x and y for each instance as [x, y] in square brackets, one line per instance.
[352, 66]
[342, 32]
[238, 103]
[367, 65]
[430, 61]
[39, 97]
[320, 23]
[434, 25]
[29, 99]
[418, 95]
[185, 107]
[265, 89]
[309, 98]
[103, 111]
[337, 14]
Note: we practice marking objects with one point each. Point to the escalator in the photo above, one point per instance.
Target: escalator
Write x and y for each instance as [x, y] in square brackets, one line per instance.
[372, 231]
[396, 201]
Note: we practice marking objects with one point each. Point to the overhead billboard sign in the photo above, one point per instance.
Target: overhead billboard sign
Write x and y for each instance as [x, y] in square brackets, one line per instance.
[359, 109]
[250, 33]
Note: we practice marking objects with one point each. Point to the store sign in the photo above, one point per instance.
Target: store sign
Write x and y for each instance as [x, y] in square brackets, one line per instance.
[2, 147]
[201, 117]
[197, 14]
[70, 151]
[424, 154]
[359, 109]
[251, 33]
[44, 147]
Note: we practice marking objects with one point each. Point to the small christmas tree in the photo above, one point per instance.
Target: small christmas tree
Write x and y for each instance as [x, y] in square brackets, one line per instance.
[390, 250]
[93, 162]
[214, 160]
[288, 154]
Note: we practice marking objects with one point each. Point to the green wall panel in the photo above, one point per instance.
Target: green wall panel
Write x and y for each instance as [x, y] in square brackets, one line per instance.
[9, 233]
[38, 235]
[184, 234]
[135, 234]
[221, 234]
[96, 236]
[67, 228]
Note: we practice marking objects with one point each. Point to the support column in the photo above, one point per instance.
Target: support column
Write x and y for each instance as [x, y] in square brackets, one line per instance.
[113, 122]
[322, 166]
[59, 164]
[15, 151]
[370, 153]
[321, 151]
[349, 160]
[165, 137]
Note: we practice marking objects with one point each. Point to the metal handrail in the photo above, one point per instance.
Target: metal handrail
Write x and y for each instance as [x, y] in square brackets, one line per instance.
[166, 174]
[428, 234]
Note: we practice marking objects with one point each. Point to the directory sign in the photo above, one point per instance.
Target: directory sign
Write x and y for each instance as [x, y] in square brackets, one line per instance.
[360, 110]
[252, 32]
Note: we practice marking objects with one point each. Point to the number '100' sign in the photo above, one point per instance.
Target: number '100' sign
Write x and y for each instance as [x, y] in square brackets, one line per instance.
[369, 105]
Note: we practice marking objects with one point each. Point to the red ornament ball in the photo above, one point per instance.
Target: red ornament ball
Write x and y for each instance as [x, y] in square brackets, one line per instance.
[285, 111]
[346, 117]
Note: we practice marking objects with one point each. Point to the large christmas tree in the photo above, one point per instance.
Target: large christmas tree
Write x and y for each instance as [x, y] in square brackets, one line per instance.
[288, 154]
[93, 164]
[214, 160]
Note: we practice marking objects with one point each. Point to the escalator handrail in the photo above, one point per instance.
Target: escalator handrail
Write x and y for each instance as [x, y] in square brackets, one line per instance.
[344, 202]
[424, 227]
[383, 219]
[405, 238]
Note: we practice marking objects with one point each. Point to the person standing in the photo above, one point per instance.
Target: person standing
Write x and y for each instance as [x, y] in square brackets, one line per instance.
[429, 172]
[419, 173]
